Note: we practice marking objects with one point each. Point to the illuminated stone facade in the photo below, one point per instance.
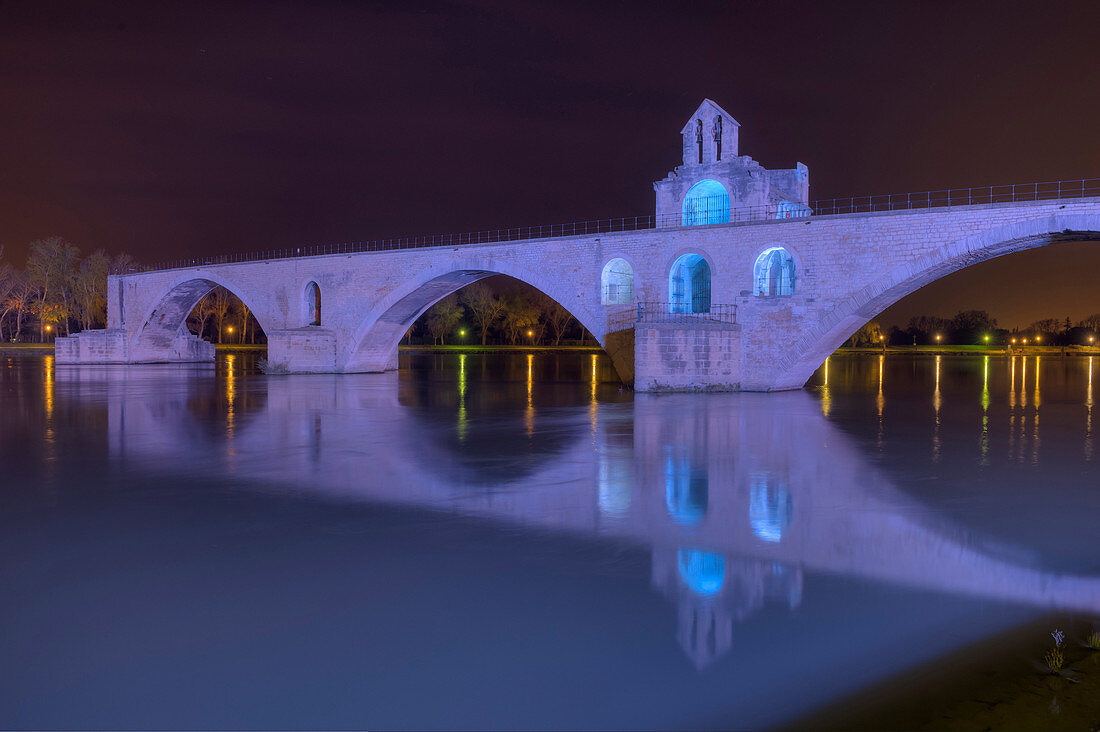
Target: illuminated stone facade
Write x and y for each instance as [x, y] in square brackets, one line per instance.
[843, 270]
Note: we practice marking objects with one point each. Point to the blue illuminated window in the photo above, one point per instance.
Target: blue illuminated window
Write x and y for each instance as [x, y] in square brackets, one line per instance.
[774, 273]
[689, 285]
[707, 202]
[617, 283]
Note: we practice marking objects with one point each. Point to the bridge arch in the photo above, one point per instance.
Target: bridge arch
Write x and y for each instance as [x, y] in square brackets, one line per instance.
[809, 351]
[166, 319]
[373, 346]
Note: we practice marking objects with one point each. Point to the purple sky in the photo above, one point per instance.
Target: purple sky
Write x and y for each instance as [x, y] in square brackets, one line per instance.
[182, 129]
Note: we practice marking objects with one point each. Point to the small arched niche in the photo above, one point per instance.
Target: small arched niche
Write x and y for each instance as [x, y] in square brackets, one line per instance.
[707, 202]
[313, 304]
[689, 285]
[617, 283]
[774, 273]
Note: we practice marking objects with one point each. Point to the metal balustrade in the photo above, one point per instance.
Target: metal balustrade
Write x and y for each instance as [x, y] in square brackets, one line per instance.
[667, 312]
[1012, 193]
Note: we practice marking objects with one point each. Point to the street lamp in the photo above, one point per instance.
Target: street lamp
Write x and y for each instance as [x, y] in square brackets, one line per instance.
[1013, 340]
[530, 333]
[462, 332]
[1038, 338]
[985, 338]
[1025, 341]
[938, 337]
[1092, 338]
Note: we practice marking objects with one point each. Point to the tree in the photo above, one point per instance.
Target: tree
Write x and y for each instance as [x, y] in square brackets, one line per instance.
[925, 327]
[485, 307]
[1092, 322]
[969, 326]
[204, 311]
[869, 335]
[443, 317]
[1046, 327]
[51, 266]
[521, 316]
[90, 290]
[557, 318]
[19, 301]
[220, 302]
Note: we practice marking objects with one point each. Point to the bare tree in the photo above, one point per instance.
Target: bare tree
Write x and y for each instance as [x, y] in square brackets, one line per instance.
[19, 301]
[557, 318]
[486, 307]
[220, 302]
[90, 290]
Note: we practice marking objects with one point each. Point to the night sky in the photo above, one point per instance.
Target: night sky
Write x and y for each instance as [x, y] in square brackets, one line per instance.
[171, 130]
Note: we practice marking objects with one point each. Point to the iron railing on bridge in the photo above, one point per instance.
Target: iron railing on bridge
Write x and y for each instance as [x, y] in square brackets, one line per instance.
[668, 312]
[1054, 190]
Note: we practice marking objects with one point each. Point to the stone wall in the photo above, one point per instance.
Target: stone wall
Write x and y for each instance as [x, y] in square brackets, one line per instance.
[701, 356]
[849, 268]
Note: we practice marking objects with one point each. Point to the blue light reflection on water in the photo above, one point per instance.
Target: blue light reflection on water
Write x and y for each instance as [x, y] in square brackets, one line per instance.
[490, 542]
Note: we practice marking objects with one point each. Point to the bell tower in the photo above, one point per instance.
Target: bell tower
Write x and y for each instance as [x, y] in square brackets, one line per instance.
[716, 185]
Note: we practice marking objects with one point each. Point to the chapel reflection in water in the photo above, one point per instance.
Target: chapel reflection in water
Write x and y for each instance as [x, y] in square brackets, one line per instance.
[736, 497]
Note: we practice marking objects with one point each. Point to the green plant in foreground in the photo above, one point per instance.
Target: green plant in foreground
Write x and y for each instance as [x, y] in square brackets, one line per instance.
[1094, 640]
[1054, 659]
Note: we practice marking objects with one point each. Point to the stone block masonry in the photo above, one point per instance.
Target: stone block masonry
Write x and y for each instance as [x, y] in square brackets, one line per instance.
[835, 273]
[848, 269]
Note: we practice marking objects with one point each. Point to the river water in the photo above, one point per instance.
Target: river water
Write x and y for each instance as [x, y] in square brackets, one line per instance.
[512, 541]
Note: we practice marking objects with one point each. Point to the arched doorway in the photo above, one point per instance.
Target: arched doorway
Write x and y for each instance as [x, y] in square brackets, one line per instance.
[707, 202]
[689, 285]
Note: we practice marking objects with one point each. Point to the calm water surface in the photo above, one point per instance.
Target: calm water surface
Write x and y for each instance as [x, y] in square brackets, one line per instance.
[511, 541]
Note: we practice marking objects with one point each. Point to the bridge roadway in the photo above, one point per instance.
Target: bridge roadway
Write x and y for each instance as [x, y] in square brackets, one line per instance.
[848, 268]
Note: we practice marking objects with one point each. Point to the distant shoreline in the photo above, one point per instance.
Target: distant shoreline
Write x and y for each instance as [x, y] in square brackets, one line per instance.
[977, 350]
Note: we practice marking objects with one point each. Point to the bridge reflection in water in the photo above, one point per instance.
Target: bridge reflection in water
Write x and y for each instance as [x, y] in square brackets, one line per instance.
[735, 496]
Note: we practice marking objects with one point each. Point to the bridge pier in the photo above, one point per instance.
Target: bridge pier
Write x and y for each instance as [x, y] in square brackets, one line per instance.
[698, 356]
[307, 350]
[111, 345]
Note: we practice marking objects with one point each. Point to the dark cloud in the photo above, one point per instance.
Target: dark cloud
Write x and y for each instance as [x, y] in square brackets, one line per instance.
[182, 129]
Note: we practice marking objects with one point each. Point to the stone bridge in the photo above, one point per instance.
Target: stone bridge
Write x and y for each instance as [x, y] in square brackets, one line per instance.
[728, 236]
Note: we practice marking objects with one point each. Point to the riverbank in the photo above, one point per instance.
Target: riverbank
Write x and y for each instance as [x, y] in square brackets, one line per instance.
[14, 348]
[1001, 683]
[979, 350]
[495, 349]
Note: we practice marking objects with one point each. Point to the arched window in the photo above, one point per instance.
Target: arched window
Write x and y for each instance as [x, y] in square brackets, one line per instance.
[689, 285]
[774, 274]
[617, 283]
[707, 202]
[313, 304]
[769, 506]
[704, 573]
